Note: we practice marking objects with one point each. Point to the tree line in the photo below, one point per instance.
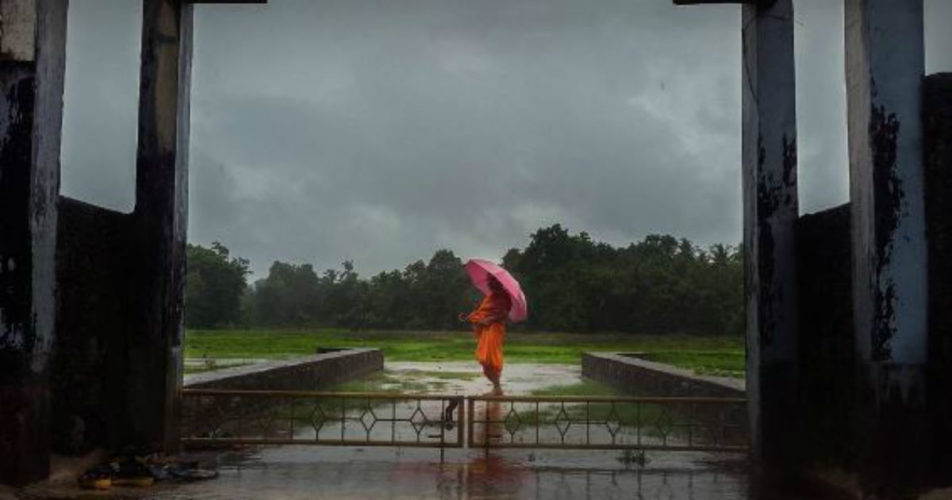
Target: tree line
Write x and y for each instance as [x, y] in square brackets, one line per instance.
[658, 285]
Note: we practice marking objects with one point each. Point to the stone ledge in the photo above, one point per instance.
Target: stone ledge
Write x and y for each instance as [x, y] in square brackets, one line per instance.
[308, 373]
[629, 373]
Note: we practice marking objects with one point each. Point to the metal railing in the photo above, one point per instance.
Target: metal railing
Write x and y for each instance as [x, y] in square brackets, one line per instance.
[237, 417]
[230, 417]
[608, 423]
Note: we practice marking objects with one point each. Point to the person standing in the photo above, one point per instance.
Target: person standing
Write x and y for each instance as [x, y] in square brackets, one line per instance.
[489, 328]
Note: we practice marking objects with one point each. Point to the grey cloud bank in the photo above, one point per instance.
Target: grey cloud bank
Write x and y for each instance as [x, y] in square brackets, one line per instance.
[380, 131]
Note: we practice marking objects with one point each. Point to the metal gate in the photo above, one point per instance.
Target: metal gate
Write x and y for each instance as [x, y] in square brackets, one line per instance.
[608, 423]
[234, 417]
[230, 417]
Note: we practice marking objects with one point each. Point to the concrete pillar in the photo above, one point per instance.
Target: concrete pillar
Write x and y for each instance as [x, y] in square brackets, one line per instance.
[938, 152]
[32, 66]
[769, 153]
[161, 219]
[884, 71]
[769, 156]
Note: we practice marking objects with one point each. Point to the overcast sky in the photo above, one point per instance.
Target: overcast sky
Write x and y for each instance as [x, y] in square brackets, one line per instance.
[382, 130]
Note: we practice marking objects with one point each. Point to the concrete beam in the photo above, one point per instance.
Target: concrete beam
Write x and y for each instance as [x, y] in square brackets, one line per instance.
[709, 2]
[32, 67]
[161, 219]
[17, 30]
[884, 71]
[769, 153]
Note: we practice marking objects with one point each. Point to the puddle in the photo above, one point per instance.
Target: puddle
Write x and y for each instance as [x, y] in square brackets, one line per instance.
[463, 378]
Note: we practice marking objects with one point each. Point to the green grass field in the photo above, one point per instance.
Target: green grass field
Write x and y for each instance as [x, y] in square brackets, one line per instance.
[709, 355]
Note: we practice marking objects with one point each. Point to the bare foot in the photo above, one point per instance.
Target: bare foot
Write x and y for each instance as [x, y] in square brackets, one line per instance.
[497, 391]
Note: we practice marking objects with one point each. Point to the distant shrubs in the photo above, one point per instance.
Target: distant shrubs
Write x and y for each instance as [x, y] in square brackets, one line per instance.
[658, 285]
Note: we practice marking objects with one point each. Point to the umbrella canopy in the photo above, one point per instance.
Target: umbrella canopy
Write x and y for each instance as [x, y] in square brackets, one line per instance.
[479, 272]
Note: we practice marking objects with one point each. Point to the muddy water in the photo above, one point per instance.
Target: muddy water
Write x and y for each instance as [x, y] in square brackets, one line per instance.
[309, 472]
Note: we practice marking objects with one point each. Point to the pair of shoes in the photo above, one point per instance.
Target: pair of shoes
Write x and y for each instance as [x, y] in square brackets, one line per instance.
[97, 478]
[122, 471]
[130, 471]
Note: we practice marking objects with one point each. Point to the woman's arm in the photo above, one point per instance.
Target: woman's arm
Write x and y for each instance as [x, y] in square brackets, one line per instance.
[497, 310]
[493, 309]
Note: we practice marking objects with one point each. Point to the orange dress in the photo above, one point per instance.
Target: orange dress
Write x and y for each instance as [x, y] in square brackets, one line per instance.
[489, 327]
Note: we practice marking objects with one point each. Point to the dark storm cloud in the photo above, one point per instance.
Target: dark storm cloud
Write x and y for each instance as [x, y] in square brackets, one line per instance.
[388, 129]
[380, 131]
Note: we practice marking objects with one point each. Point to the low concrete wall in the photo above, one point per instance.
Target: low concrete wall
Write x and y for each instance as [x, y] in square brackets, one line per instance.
[90, 387]
[826, 372]
[300, 374]
[641, 377]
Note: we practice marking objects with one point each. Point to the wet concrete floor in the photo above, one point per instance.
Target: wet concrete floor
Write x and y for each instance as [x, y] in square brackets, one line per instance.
[301, 472]
[313, 472]
[304, 472]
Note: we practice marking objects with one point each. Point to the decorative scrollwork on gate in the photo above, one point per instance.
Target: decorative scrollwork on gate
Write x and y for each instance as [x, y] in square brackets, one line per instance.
[224, 417]
[675, 424]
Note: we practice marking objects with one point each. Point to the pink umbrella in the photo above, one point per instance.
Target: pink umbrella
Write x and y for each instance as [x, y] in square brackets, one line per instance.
[479, 272]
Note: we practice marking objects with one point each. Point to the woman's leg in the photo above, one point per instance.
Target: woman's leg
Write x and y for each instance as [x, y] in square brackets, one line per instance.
[497, 387]
[489, 354]
[493, 374]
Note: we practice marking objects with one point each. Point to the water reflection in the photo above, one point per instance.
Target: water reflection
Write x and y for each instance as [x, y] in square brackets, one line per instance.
[306, 472]
[499, 479]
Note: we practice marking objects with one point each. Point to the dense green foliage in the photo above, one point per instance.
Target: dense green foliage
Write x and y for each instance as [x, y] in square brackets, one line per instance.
[216, 284]
[660, 285]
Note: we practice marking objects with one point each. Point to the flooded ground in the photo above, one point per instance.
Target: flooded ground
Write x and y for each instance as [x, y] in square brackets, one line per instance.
[304, 471]
[465, 378]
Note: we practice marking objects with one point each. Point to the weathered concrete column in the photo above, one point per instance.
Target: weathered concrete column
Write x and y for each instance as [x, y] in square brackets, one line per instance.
[161, 211]
[32, 65]
[769, 156]
[938, 151]
[884, 71]
[769, 153]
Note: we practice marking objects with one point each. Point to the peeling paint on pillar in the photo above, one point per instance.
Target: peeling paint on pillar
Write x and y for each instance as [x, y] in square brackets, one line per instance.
[161, 218]
[31, 77]
[47, 133]
[888, 189]
[769, 151]
[16, 125]
[885, 64]
[23, 398]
